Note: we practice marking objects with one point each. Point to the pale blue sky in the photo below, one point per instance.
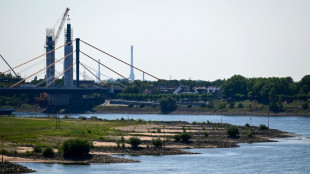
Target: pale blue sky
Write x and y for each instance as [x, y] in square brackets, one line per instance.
[197, 39]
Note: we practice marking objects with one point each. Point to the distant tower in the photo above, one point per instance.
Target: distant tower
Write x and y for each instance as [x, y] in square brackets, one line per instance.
[68, 83]
[132, 75]
[98, 71]
[50, 57]
[143, 76]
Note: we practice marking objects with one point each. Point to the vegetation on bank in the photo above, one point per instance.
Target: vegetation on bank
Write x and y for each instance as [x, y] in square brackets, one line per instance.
[214, 107]
[274, 94]
[134, 137]
[43, 132]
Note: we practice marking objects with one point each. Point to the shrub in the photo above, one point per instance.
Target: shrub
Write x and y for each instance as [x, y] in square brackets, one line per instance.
[37, 149]
[157, 143]
[134, 142]
[177, 138]
[222, 105]
[305, 106]
[206, 134]
[240, 105]
[195, 123]
[48, 152]
[118, 143]
[142, 105]
[189, 106]
[158, 130]
[123, 141]
[185, 137]
[82, 118]
[93, 118]
[250, 133]
[231, 105]
[75, 147]
[210, 104]
[66, 117]
[263, 127]
[130, 105]
[167, 105]
[232, 131]
[203, 105]
[246, 125]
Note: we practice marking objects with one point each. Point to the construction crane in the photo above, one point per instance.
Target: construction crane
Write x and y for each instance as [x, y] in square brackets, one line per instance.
[51, 31]
[51, 41]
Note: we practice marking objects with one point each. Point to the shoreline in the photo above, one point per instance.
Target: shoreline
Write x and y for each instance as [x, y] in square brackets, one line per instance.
[216, 138]
[126, 110]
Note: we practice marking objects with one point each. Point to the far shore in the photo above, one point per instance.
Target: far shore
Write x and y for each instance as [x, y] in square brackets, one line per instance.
[179, 111]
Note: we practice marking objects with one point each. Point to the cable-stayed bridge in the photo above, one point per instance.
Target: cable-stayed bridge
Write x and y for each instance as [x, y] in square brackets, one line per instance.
[69, 94]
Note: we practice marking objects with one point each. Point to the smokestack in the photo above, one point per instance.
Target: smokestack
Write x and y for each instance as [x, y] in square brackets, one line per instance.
[132, 76]
[143, 76]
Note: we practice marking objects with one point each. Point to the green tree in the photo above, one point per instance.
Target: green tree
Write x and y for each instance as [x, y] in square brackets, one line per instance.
[134, 142]
[75, 147]
[304, 85]
[232, 131]
[167, 105]
[235, 85]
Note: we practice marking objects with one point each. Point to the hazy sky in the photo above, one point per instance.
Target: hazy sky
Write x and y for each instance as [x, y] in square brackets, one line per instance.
[197, 39]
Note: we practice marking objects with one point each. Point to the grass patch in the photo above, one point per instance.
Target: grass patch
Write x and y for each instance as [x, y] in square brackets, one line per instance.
[43, 132]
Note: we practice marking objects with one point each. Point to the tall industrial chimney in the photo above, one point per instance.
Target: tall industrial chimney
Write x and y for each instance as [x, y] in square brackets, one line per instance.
[132, 75]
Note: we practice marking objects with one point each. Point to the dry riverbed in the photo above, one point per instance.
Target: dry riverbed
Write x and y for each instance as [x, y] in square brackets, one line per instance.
[203, 135]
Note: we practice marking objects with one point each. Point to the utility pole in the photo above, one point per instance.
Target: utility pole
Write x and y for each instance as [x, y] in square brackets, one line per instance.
[164, 137]
[2, 150]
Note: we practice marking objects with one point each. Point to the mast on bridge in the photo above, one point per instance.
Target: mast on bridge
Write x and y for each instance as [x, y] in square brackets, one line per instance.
[68, 76]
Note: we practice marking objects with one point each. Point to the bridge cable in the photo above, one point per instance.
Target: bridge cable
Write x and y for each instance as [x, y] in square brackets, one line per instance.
[106, 66]
[41, 70]
[60, 75]
[119, 83]
[46, 79]
[36, 57]
[93, 74]
[119, 59]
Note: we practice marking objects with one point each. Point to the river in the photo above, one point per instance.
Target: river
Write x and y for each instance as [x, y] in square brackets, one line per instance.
[289, 155]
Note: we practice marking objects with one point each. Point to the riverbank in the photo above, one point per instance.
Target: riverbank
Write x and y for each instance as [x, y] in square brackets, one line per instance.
[8, 167]
[255, 110]
[105, 136]
[184, 110]
[58, 158]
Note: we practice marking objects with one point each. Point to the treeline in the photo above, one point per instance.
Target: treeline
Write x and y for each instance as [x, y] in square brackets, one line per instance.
[236, 88]
[177, 97]
[138, 86]
[262, 89]
[14, 101]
